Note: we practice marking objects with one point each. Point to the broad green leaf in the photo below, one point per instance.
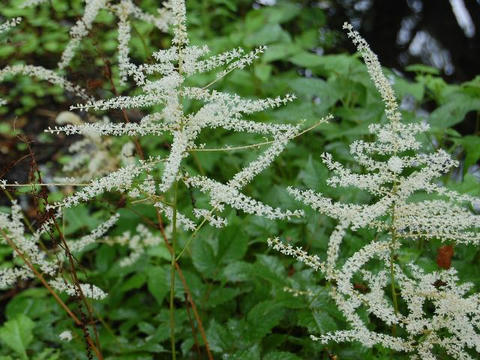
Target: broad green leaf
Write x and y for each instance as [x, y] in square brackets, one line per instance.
[252, 353]
[425, 69]
[454, 111]
[232, 244]
[471, 145]
[403, 87]
[262, 318]
[270, 33]
[203, 255]
[325, 322]
[134, 282]
[17, 334]
[306, 59]
[279, 52]
[156, 283]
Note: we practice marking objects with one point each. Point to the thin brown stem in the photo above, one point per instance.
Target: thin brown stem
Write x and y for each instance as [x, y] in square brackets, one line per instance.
[40, 277]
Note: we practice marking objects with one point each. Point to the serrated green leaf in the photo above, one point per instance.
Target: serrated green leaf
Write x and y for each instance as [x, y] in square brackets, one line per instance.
[156, 283]
[262, 318]
[17, 334]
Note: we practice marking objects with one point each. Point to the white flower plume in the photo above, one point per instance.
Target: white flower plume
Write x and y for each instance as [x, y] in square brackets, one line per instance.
[27, 246]
[394, 170]
[125, 11]
[164, 83]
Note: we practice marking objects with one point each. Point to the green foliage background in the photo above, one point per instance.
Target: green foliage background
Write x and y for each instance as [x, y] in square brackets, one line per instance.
[236, 281]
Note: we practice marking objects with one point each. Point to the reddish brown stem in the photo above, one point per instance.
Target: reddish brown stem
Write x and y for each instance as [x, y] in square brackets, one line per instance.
[40, 277]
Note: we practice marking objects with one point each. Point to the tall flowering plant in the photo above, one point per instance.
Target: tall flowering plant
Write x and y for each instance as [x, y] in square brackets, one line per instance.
[395, 170]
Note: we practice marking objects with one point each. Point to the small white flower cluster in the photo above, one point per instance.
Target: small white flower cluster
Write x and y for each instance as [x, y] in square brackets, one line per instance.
[9, 24]
[182, 220]
[454, 309]
[297, 293]
[12, 228]
[90, 291]
[92, 156]
[65, 336]
[97, 233]
[215, 221]
[142, 239]
[299, 254]
[124, 10]
[375, 71]
[12, 233]
[393, 176]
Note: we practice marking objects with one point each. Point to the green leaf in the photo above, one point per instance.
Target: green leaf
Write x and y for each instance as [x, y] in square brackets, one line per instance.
[424, 69]
[232, 244]
[314, 175]
[156, 283]
[263, 71]
[134, 282]
[325, 322]
[219, 338]
[17, 334]
[33, 302]
[306, 59]
[454, 111]
[279, 52]
[210, 252]
[203, 255]
[262, 318]
[270, 33]
[471, 145]
[403, 87]
[252, 353]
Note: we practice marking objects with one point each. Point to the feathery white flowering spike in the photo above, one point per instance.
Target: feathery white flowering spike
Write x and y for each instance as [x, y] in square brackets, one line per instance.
[43, 74]
[81, 29]
[223, 194]
[92, 156]
[385, 161]
[12, 228]
[453, 324]
[394, 171]
[137, 243]
[163, 85]
[100, 231]
[120, 180]
[182, 220]
[123, 41]
[376, 74]
[299, 254]
[12, 232]
[92, 8]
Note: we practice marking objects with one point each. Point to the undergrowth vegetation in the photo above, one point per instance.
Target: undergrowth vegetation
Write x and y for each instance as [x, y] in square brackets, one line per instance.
[159, 160]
